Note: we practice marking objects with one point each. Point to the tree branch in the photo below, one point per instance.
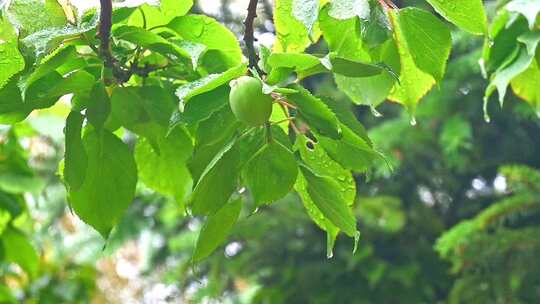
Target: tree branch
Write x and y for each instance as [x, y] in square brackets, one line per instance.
[105, 24]
[120, 72]
[249, 37]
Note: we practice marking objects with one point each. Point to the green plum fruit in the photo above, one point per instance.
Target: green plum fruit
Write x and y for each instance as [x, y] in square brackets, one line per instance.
[248, 102]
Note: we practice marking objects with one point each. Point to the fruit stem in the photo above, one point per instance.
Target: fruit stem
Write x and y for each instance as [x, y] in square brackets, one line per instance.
[268, 128]
[283, 102]
[283, 120]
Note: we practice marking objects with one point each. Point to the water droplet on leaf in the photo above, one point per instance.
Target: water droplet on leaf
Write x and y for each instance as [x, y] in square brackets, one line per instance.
[356, 241]
[374, 111]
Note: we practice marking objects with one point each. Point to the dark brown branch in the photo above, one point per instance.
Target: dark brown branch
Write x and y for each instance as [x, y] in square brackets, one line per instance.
[249, 37]
[105, 24]
[120, 72]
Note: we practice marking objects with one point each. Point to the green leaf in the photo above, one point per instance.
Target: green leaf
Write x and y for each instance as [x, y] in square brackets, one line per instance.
[47, 39]
[75, 158]
[346, 9]
[271, 173]
[281, 63]
[428, 40]
[304, 65]
[354, 68]
[126, 108]
[148, 40]
[504, 43]
[148, 16]
[55, 11]
[218, 126]
[77, 82]
[292, 35]
[531, 40]
[211, 136]
[223, 49]
[208, 83]
[46, 91]
[165, 170]
[12, 107]
[315, 112]
[469, 15]
[319, 161]
[158, 102]
[525, 85]
[344, 113]
[342, 36]
[414, 83]
[30, 16]
[49, 64]
[99, 107]
[155, 17]
[217, 182]
[501, 78]
[216, 229]
[344, 41]
[350, 151]
[175, 8]
[307, 12]
[19, 250]
[316, 215]
[371, 90]
[11, 61]
[202, 106]
[377, 29]
[296, 61]
[528, 8]
[195, 51]
[143, 110]
[326, 195]
[109, 184]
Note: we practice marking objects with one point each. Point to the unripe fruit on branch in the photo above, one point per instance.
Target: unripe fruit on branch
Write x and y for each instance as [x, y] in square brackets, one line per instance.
[248, 102]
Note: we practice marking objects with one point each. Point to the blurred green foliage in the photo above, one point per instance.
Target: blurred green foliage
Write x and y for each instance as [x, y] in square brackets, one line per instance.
[450, 223]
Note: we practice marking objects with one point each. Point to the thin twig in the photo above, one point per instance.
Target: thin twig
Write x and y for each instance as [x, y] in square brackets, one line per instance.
[268, 129]
[249, 37]
[289, 119]
[285, 103]
[282, 100]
